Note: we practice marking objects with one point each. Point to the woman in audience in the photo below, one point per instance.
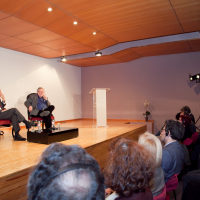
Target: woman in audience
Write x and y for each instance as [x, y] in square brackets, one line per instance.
[153, 144]
[129, 170]
[186, 121]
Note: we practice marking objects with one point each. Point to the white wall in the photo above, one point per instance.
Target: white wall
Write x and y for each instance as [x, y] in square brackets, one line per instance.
[22, 74]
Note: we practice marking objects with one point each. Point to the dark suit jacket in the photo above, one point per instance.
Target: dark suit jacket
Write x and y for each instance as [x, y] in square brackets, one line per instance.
[32, 101]
[172, 159]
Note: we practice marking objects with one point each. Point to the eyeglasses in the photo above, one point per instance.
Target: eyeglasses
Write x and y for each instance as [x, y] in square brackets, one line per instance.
[162, 129]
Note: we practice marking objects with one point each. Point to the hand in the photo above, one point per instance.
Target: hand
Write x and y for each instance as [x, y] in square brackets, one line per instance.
[30, 108]
[2, 96]
[108, 191]
[44, 97]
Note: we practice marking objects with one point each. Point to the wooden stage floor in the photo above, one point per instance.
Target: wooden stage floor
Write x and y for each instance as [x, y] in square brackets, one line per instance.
[17, 158]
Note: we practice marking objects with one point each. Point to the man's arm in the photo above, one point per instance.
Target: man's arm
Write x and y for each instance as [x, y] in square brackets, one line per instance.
[46, 100]
[28, 102]
[166, 163]
[48, 103]
[3, 102]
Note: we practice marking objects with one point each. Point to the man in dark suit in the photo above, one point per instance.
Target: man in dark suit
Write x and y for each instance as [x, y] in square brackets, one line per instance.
[15, 116]
[39, 106]
[173, 153]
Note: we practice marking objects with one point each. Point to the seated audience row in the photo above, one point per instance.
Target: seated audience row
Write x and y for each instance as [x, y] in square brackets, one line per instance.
[133, 171]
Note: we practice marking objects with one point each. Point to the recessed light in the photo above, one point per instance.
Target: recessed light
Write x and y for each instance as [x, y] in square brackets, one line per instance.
[49, 9]
[94, 33]
[75, 22]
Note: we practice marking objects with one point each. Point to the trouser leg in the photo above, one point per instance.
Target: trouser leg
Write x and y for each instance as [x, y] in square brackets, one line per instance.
[9, 113]
[50, 109]
[47, 119]
[15, 123]
[19, 115]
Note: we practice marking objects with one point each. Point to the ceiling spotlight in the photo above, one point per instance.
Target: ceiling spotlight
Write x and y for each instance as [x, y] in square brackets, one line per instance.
[98, 53]
[94, 33]
[75, 22]
[63, 59]
[49, 9]
[195, 77]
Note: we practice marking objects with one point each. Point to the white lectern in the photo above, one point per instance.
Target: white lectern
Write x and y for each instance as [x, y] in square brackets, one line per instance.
[99, 106]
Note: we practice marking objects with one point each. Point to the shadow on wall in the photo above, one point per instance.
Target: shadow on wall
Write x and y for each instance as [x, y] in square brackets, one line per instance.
[20, 102]
[196, 86]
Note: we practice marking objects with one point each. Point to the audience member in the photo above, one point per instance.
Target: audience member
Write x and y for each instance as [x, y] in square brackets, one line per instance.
[189, 122]
[187, 109]
[14, 116]
[173, 153]
[39, 106]
[195, 153]
[178, 116]
[153, 144]
[191, 185]
[186, 121]
[129, 170]
[66, 173]
[191, 191]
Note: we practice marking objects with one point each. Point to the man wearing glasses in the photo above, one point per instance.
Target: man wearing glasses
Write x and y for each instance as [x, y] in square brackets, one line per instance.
[173, 153]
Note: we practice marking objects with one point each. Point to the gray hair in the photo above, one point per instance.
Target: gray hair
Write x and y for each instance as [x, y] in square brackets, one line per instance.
[40, 88]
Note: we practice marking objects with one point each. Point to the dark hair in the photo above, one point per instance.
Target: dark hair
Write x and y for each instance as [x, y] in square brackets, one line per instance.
[176, 129]
[82, 183]
[130, 167]
[178, 116]
[186, 108]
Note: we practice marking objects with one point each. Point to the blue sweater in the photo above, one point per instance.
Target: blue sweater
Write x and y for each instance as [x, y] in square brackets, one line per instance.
[172, 159]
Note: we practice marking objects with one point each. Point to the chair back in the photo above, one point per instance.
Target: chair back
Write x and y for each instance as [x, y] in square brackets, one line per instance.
[172, 183]
[27, 99]
[162, 195]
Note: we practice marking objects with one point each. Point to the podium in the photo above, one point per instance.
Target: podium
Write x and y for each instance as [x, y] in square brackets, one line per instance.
[99, 106]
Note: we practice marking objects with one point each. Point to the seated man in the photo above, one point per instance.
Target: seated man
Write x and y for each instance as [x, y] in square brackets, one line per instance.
[173, 153]
[66, 172]
[14, 116]
[39, 106]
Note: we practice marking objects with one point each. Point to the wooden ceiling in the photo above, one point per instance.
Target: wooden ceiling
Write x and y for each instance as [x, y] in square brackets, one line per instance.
[26, 26]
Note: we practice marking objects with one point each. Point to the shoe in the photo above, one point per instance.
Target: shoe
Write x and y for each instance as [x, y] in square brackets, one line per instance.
[19, 138]
[44, 113]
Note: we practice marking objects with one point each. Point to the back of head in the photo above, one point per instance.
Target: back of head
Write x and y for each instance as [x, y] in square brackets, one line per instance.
[178, 116]
[48, 181]
[175, 128]
[129, 168]
[185, 109]
[153, 144]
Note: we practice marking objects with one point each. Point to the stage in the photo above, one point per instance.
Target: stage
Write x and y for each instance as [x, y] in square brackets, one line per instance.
[18, 157]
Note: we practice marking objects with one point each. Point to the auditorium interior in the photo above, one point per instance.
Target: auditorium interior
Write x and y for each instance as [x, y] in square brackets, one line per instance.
[143, 50]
